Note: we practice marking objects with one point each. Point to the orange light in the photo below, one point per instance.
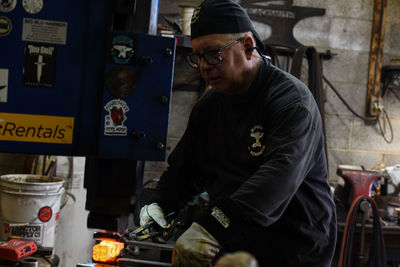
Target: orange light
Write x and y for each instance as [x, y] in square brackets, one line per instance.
[107, 251]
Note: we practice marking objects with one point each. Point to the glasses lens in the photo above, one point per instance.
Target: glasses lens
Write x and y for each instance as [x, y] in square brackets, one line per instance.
[212, 57]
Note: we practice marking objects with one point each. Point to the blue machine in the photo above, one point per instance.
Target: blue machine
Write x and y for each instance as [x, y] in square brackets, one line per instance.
[73, 84]
[85, 78]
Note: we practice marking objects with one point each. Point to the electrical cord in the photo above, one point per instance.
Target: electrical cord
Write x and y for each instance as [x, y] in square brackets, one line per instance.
[365, 118]
[383, 130]
[346, 104]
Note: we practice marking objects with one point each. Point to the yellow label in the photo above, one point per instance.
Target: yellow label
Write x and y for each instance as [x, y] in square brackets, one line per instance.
[36, 128]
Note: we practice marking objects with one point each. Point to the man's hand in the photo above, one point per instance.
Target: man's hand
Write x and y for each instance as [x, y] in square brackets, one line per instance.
[237, 259]
[153, 212]
[195, 247]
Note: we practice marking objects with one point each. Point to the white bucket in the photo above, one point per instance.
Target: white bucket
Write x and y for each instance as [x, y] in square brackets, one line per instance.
[30, 207]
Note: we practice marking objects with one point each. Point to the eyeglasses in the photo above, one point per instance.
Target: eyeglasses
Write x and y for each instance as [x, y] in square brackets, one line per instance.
[212, 57]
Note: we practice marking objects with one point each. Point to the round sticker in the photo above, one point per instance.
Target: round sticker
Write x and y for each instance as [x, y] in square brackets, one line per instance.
[45, 214]
[7, 5]
[5, 26]
[32, 6]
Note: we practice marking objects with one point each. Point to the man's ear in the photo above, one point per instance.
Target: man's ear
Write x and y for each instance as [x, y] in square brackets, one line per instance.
[248, 44]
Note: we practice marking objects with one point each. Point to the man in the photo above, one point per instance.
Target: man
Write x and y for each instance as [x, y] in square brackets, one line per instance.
[254, 142]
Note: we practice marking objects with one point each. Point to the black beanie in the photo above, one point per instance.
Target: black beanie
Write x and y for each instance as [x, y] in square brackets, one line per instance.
[222, 16]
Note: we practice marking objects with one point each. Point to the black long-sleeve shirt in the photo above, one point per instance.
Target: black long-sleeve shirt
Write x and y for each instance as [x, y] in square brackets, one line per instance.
[260, 156]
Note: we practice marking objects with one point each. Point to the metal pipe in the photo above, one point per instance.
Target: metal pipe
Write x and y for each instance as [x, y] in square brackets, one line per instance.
[153, 17]
[144, 262]
[145, 18]
[29, 262]
[144, 244]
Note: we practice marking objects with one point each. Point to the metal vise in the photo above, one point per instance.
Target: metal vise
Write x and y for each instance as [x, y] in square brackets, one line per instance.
[359, 179]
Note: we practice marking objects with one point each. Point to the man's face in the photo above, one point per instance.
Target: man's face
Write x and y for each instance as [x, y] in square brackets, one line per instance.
[227, 77]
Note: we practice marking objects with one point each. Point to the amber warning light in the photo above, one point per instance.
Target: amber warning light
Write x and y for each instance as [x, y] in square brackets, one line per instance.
[107, 251]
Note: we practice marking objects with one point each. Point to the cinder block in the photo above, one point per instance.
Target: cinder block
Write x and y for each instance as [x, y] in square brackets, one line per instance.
[185, 77]
[337, 132]
[341, 8]
[392, 39]
[348, 67]
[353, 94]
[62, 165]
[184, 97]
[359, 9]
[369, 138]
[179, 116]
[79, 164]
[392, 12]
[311, 3]
[339, 157]
[392, 103]
[171, 143]
[391, 159]
[350, 34]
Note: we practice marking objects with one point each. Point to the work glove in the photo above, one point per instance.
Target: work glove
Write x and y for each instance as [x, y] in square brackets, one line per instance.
[237, 259]
[195, 247]
[152, 212]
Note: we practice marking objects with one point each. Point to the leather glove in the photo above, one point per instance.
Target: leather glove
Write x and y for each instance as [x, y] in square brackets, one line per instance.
[237, 259]
[195, 247]
[153, 212]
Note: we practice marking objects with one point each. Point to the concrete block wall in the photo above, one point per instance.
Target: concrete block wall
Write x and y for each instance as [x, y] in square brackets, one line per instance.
[345, 30]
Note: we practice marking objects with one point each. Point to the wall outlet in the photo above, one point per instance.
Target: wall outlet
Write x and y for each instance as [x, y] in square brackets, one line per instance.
[375, 106]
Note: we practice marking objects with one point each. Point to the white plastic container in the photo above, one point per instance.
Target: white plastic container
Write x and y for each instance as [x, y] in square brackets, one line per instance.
[187, 13]
[30, 207]
[394, 172]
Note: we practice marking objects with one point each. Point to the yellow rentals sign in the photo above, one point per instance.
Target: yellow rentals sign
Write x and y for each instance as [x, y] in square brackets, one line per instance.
[36, 128]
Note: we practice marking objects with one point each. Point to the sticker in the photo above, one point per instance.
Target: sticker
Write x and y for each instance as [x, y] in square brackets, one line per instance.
[32, 231]
[32, 6]
[45, 214]
[7, 5]
[44, 31]
[3, 85]
[114, 121]
[122, 49]
[40, 66]
[120, 81]
[5, 26]
[36, 128]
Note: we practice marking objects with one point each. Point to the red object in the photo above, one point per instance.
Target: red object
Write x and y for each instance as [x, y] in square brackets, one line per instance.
[45, 214]
[16, 249]
[117, 115]
[361, 181]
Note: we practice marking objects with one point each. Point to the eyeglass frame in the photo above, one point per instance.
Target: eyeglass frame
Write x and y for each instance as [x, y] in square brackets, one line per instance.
[218, 53]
